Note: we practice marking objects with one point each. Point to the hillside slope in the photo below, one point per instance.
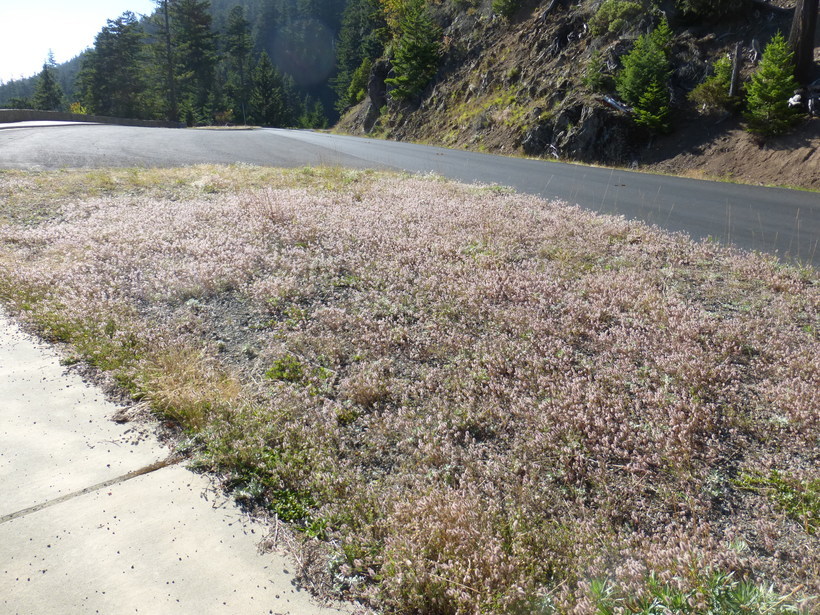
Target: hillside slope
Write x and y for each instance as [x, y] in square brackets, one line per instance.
[518, 85]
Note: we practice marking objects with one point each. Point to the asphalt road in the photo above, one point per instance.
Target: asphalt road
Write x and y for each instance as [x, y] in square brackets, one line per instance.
[754, 218]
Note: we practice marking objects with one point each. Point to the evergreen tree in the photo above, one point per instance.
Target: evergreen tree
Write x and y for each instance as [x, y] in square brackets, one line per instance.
[359, 44]
[294, 106]
[267, 100]
[195, 55]
[112, 80]
[48, 95]
[772, 85]
[313, 114]
[165, 56]
[238, 46]
[416, 50]
[652, 109]
[642, 81]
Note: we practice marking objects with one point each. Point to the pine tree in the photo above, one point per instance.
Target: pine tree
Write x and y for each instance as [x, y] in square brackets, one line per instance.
[359, 45]
[238, 46]
[112, 80]
[165, 56]
[642, 80]
[48, 95]
[416, 50]
[652, 109]
[195, 54]
[772, 85]
[267, 100]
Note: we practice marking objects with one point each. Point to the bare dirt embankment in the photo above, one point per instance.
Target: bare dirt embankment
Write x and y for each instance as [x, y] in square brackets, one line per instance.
[731, 153]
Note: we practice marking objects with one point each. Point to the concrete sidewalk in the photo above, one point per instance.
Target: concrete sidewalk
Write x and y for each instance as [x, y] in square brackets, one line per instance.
[95, 518]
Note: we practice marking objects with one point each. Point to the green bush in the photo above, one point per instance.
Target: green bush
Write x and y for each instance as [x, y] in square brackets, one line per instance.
[613, 16]
[710, 8]
[713, 93]
[595, 76]
[287, 368]
[768, 94]
[506, 8]
[357, 89]
[642, 81]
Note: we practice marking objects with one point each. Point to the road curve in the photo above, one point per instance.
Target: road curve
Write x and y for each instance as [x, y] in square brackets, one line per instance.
[778, 220]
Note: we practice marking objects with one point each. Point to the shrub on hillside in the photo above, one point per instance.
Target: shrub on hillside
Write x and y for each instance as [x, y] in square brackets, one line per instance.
[613, 16]
[596, 77]
[710, 8]
[713, 93]
[768, 112]
[506, 8]
[357, 89]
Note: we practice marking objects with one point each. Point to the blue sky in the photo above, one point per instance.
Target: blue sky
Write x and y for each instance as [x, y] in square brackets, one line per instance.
[29, 28]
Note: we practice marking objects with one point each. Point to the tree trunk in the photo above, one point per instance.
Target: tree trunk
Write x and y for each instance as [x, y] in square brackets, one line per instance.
[173, 111]
[801, 38]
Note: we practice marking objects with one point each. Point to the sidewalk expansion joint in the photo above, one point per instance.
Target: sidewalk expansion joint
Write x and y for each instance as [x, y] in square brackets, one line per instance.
[158, 465]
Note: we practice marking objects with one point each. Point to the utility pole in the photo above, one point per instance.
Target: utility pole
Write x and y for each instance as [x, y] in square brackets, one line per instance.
[801, 38]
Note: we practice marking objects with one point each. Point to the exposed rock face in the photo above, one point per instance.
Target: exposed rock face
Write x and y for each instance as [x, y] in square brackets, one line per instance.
[588, 133]
[600, 135]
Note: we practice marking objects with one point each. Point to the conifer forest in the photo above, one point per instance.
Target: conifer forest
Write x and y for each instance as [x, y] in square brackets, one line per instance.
[266, 62]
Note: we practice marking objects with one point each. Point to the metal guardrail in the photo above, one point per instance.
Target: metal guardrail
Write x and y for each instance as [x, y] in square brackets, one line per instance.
[31, 115]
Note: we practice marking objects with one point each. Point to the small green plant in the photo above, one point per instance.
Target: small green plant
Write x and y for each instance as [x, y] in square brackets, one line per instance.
[771, 87]
[715, 592]
[710, 8]
[800, 500]
[287, 369]
[614, 16]
[713, 93]
[595, 76]
[506, 8]
[652, 109]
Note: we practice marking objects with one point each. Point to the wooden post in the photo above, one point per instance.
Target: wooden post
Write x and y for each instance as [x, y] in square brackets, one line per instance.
[734, 86]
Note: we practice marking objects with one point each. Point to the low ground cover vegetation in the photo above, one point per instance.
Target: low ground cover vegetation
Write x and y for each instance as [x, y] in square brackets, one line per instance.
[469, 400]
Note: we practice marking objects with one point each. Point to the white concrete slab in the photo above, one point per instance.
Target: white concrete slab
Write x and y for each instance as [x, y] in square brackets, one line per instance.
[148, 545]
[56, 433]
[154, 543]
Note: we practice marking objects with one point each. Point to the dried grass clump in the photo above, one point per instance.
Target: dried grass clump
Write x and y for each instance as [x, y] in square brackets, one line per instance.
[188, 387]
[501, 404]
